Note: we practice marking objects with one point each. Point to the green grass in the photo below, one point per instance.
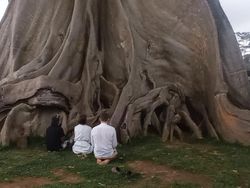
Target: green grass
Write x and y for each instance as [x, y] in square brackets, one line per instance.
[227, 165]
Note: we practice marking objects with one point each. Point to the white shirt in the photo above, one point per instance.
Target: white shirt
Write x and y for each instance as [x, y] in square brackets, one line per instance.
[104, 141]
[82, 139]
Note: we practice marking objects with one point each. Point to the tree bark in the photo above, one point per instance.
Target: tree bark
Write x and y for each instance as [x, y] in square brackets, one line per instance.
[135, 58]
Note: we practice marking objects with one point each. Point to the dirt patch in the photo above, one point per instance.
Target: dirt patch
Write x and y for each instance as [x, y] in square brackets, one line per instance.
[29, 182]
[167, 175]
[67, 177]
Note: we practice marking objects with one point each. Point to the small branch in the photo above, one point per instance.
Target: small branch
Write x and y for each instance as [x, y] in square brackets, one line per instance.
[191, 124]
[148, 117]
[179, 132]
[156, 123]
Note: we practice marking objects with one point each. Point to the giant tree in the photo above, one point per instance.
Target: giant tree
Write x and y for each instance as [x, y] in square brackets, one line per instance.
[170, 66]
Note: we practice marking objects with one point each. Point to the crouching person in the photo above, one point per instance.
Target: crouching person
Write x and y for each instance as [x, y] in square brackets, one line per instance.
[82, 138]
[104, 140]
[54, 135]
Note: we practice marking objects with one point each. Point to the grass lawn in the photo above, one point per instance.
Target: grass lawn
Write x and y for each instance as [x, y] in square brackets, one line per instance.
[152, 163]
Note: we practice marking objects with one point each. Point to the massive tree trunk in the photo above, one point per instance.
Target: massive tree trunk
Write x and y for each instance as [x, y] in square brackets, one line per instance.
[172, 66]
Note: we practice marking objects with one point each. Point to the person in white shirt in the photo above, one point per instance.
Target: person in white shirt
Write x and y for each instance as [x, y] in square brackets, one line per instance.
[104, 140]
[82, 138]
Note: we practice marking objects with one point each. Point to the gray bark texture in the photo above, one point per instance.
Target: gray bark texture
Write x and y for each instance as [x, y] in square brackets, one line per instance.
[169, 66]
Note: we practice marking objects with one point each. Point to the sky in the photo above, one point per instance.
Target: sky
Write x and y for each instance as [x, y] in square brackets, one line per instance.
[238, 12]
[3, 5]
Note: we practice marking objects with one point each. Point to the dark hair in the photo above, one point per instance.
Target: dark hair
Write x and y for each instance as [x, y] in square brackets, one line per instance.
[104, 116]
[83, 120]
[55, 121]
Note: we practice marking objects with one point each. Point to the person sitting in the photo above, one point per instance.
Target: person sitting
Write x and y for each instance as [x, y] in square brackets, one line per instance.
[104, 140]
[54, 135]
[82, 138]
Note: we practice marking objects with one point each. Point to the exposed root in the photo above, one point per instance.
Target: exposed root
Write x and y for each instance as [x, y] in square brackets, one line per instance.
[16, 127]
[170, 101]
[156, 123]
[124, 133]
[179, 132]
[147, 120]
[173, 125]
[191, 124]
[205, 122]
[209, 126]
[113, 87]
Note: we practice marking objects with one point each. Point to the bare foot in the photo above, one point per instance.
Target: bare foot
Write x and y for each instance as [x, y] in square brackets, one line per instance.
[102, 161]
[98, 161]
[105, 162]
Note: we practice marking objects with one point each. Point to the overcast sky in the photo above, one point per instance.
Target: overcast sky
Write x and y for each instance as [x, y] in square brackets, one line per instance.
[238, 12]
